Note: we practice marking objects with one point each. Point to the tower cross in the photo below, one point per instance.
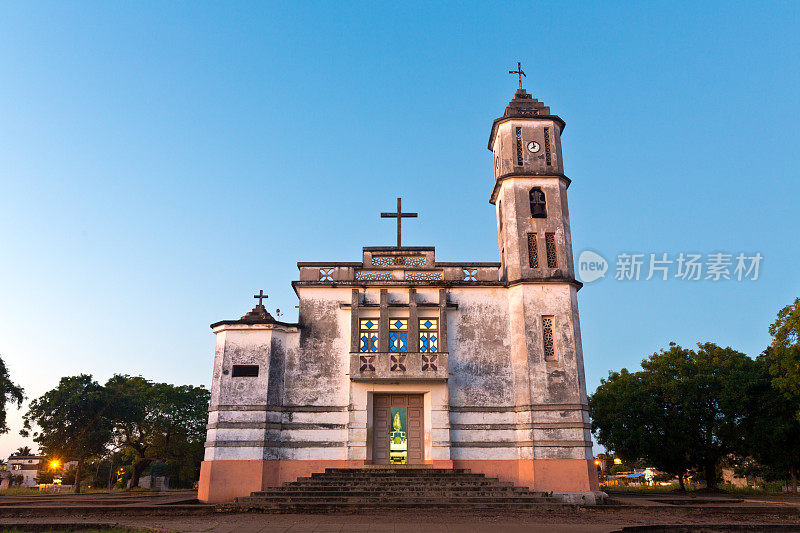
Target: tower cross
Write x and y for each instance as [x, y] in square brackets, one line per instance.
[260, 296]
[519, 72]
[399, 216]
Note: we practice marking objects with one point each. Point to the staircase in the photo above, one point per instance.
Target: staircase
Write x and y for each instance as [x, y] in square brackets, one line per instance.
[353, 489]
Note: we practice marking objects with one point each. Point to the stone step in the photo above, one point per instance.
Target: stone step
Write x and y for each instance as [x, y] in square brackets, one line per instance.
[397, 469]
[328, 507]
[465, 477]
[393, 488]
[392, 493]
[391, 501]
[406, 483]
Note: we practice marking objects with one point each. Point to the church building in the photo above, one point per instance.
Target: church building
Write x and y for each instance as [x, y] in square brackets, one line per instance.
[399, 359]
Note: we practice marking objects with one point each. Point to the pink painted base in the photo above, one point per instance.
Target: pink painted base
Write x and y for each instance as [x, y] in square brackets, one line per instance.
[222, 481]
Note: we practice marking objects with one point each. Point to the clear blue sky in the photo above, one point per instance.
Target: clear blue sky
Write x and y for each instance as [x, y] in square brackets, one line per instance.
[161, 162]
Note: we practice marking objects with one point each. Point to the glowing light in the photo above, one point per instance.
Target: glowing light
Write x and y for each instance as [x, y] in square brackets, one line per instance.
[54, 464]
[597, 462]
[617, 461]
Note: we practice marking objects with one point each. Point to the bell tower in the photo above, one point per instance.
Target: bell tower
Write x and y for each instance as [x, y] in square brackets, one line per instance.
[533, 231]
[530, 192]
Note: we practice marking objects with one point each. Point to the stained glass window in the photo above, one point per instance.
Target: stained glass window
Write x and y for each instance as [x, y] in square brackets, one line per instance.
[369, 335]
[428, 335]
[398, 335]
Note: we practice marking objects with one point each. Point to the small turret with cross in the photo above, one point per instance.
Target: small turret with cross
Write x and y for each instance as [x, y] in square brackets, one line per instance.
[259, 313]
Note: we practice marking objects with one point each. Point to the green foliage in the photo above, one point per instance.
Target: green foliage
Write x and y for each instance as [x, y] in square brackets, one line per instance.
[784, 365]
[684, 409]
[10, 393]
[71, 419]
[44, 476]
[159, 421]
[772, 428]
[24, 450]
[618, 469]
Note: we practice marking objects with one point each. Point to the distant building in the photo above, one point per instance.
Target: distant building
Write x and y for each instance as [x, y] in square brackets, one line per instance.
[27, 465]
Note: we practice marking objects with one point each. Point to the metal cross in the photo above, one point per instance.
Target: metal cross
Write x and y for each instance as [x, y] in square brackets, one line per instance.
[519, 72]
[260, 296]
[399, 216]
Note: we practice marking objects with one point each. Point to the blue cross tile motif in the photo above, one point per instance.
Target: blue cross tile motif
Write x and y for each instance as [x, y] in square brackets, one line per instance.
[326, 274]
[470, 274]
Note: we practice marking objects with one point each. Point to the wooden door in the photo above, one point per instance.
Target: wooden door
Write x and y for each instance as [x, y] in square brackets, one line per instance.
[382, 426]
[380, 430]
[416, 447]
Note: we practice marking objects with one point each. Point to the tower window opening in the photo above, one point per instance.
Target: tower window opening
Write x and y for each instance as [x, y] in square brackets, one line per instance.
[550, 246]
[538, 203]
[519, 146]
[547, 146]
[547, 339]
[245, 371]
[533, 252]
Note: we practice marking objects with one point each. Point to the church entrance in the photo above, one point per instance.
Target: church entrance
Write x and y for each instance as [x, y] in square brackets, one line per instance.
[397, 433]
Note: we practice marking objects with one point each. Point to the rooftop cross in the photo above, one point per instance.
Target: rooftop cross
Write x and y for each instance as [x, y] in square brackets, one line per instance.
[260, 296]
[519, 72]
[399, 216]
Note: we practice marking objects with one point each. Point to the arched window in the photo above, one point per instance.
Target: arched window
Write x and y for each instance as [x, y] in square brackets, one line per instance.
[538, 203]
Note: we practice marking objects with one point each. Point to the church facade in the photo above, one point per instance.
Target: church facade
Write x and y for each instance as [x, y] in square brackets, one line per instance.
[399, 359]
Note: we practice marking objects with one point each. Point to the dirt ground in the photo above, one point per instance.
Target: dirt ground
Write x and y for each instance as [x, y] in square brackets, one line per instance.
[175, 511]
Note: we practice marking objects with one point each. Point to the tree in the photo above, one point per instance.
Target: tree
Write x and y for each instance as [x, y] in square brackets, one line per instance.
[785, 363]
[684, 409]
[24, 450]
[157, 420]
[71, 419]
[632, 417]
[774, 416]
[9, 393]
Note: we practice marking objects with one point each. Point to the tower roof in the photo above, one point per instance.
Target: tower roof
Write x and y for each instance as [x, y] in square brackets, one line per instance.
[258, 315]
[524, 105]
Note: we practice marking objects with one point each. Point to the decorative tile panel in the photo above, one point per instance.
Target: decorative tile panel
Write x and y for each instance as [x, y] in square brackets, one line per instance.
[424, 276]
[403, 260]
[429, 362]
[470, 274]
[373, 275]
[367, 363]
[398, 363]
[326, 274]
